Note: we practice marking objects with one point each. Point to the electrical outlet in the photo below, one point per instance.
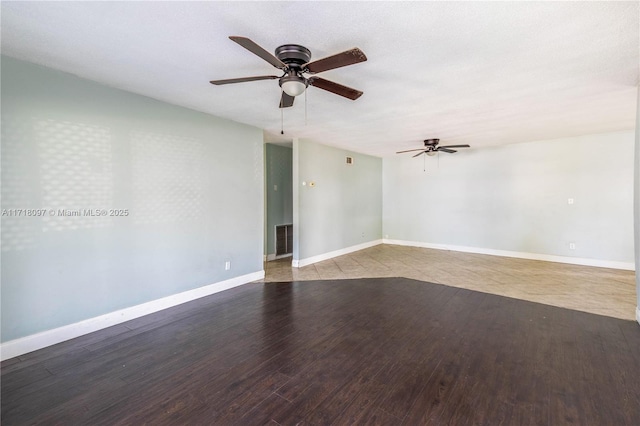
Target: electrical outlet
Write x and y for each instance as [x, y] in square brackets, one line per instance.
[572, 246]
[570, 200]
[227, 265]
[275, 187]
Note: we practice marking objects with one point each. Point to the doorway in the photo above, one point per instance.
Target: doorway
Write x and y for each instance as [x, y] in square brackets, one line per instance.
[279, 201]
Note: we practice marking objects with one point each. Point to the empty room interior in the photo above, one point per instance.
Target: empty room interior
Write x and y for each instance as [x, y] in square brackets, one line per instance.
[320, 213]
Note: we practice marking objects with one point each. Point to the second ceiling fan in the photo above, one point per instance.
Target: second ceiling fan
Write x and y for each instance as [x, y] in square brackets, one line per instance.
[431, 148]
[294, 61]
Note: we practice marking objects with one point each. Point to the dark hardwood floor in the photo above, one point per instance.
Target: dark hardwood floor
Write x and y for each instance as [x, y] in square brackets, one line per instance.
[366, 351]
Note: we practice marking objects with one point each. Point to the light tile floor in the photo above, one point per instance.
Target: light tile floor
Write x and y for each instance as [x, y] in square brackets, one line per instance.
[603, 291]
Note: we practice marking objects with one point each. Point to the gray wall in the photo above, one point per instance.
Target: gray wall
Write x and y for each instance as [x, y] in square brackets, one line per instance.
[192, 183]
[278, 164]
[344, 208]
[515, 197]
[637, 202]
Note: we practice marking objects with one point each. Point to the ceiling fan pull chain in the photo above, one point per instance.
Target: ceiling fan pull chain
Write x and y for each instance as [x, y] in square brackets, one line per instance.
[282, 121]
[305, 107]
[424, 163]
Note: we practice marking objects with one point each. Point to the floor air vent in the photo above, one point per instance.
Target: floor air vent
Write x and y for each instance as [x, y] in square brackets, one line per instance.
[284, 239]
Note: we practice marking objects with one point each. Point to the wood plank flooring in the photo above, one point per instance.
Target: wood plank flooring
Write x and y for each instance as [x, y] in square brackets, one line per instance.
[385, 351]
[603, 291]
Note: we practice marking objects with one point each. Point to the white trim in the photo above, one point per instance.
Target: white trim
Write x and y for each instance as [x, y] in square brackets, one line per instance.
[638, 314]
[630, 266]
[43, 339]
[325, 256]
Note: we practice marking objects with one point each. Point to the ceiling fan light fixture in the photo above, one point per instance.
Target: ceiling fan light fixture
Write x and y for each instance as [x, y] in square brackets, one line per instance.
[431, 153]
[293, 85]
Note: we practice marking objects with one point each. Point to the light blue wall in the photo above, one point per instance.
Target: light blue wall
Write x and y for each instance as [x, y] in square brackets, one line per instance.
[278, 163]
[344, 208]
[515, 197]
[192, 183]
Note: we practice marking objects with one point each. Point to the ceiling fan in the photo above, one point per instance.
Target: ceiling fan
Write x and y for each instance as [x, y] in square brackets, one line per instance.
[431, 148]
[293, 60]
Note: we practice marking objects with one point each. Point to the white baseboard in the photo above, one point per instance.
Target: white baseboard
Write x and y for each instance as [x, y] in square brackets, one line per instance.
[630, 266]
[41, 340]
[325, 256]
[638, 314]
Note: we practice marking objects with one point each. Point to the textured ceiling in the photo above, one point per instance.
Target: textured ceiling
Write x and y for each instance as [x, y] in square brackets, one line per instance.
[483, 73]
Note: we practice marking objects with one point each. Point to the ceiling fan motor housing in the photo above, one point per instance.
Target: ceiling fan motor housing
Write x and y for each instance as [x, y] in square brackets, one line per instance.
[293, 55]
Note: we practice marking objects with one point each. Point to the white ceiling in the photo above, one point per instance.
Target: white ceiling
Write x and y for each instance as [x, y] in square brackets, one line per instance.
[482, 73]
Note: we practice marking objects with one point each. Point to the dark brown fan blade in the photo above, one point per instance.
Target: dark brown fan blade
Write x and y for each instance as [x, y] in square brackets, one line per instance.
[455, 146]
[243, 79]
[336, 88]
[259, 51]
[409, 150]
[343, 59]
[420, 153]
[450, 151]
[286, 101]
